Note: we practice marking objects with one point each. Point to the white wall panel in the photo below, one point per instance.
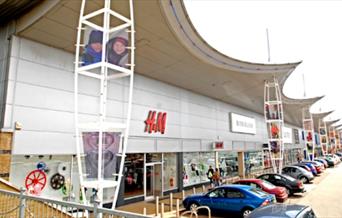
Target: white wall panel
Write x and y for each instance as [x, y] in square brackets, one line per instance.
[191, 145]
[169, 145]
[52, 121]
[37, 142]
[143, 145]
[238, 146]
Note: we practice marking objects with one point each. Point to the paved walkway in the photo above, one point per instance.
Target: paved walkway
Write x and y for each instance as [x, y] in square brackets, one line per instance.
[325, 194]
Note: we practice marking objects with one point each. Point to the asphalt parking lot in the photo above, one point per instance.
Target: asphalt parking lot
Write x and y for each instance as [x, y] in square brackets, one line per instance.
[324, 194]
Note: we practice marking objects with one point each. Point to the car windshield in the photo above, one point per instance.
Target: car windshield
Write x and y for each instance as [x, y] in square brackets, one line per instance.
[258, 192]
[268, 185]
[288, 177]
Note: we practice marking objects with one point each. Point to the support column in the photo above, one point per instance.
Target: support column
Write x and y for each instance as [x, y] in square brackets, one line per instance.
[5, 154]
[241, 164]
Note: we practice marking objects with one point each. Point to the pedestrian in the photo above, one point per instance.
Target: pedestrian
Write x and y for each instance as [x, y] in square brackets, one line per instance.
[210, 174]
[216, 177]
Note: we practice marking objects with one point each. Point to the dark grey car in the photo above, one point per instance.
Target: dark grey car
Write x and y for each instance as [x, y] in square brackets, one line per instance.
[282, 211]
[298, 173]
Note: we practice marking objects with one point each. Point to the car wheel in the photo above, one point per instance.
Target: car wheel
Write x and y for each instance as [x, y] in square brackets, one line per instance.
[304, 180]
[288, 191]
[193, 206]
[246, 211]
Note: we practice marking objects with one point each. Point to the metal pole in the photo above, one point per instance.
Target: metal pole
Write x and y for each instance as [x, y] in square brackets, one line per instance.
[96, 204]
[22, 203]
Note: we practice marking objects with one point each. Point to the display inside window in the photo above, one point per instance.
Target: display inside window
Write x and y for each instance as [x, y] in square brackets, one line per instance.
[228, 163]
[275, 149]
[134, 175]
[153, 157]
[170, 171]
[267, 159]
[253, 161]
[195, 167]
[275, 130]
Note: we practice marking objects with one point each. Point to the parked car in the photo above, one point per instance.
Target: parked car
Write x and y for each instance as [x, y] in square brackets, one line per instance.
[326, 165]
[298, 173]
[339, 155]
[312, 167]
[279, 192]
[292, 185]
[303, 166]
[318, 166]
[283, 211]
[330, 161]
[230, 199]
[334, 157]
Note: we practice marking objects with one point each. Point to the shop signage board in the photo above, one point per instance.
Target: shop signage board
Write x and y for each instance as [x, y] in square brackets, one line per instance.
[296, 136]
[242, 124]
[219, 145]
[287, 135]
[155, 122]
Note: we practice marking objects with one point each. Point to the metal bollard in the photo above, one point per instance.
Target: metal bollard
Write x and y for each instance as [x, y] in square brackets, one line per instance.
[194, 190]
[157, 206]
[203, 188]
[171, 196]
[162, 210]
[144, 212]
[183, 195]
[177, 208]
[22, 203]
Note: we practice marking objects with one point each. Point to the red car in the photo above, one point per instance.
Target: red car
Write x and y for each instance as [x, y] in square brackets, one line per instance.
[279, 192]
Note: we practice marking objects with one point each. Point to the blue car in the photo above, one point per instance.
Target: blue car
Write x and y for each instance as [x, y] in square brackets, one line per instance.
[232, 199]
[312, 167]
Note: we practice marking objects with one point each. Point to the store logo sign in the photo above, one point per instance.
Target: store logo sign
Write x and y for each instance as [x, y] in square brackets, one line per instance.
[242, 124]
[287, 135]
[218, 145]
[155, 122]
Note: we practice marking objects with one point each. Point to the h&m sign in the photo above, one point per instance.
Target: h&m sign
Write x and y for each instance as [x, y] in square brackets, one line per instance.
[155, 122]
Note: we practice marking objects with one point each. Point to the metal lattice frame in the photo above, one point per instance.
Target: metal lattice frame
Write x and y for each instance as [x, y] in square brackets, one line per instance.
[103, 72]
[309, 133]
[273, 111]
[337, 139]
[323, 136]
[332, 139]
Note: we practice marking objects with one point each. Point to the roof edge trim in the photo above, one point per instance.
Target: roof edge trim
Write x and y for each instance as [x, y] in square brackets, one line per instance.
[181, 25]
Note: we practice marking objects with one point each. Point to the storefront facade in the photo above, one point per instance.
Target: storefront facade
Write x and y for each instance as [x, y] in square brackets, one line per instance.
[175, 134]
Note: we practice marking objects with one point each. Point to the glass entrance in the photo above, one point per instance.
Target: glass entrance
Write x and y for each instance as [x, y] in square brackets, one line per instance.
[153, 178]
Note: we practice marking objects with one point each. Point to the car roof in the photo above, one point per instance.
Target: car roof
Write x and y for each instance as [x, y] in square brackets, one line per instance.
[245, 187]
[249, 180]
[278, 211]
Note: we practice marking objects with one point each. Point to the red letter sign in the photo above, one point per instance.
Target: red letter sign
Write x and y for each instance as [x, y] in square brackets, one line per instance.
[155, 125]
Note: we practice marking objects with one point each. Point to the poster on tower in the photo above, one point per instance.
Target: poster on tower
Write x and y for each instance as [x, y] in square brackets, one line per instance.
[110, 148]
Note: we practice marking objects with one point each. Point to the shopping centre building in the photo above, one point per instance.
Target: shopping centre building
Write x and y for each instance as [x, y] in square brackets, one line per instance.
[212, 105]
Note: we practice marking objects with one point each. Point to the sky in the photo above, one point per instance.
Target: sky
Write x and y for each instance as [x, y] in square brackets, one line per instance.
[308, 31]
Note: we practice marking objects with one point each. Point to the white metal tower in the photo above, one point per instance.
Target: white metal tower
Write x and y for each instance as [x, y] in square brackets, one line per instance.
[309, 133]
[332, 139]
[273, 111]
[323, 135]
[104, 52]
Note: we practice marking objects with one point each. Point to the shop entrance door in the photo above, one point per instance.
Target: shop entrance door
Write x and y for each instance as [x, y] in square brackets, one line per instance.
[153, 180]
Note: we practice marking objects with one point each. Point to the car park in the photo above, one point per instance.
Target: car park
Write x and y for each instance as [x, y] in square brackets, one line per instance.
[283, 211]
[298, 173]
[279, 192]
[292, 185]
[230, 199]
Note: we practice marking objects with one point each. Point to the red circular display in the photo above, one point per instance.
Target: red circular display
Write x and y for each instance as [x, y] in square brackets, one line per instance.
[36, 178]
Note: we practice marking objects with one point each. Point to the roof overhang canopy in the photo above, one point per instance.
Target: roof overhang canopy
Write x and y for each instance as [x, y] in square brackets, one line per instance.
[319, 116]
[169, 49]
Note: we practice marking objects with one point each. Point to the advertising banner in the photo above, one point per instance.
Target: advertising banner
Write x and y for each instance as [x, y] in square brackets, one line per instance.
[116, 48]
[242, 124]
[110, 147]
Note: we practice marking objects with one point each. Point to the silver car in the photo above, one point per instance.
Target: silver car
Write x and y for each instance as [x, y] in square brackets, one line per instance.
[298, 173]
